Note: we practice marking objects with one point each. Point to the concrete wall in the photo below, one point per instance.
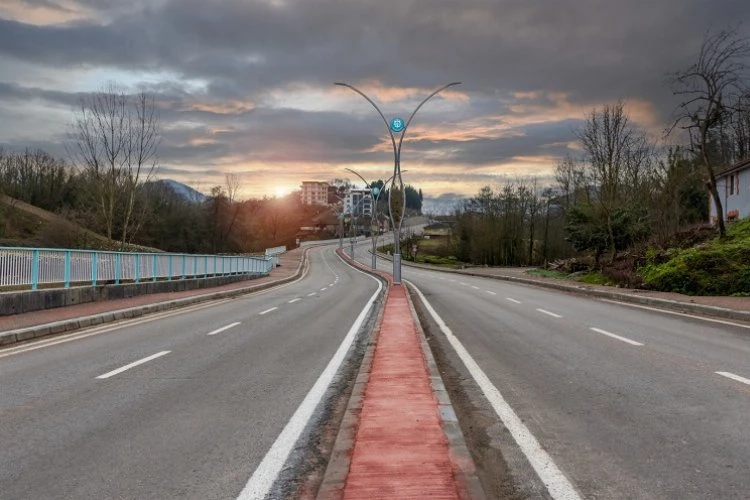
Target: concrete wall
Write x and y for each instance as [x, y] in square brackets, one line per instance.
[36, 300]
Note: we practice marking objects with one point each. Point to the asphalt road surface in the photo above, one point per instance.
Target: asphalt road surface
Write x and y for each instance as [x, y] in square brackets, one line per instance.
[179, 405]
[625, 402]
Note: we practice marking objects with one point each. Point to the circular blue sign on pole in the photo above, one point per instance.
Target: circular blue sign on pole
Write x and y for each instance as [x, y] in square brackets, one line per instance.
[397, 124]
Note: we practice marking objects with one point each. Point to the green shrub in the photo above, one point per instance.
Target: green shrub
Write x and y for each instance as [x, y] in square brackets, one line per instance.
[595, 278]
[718, 267]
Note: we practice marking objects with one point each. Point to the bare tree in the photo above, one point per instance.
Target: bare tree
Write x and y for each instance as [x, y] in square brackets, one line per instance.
[739, 125]
[709, 86]
[572, 182]
[115, 139]
[619, 159]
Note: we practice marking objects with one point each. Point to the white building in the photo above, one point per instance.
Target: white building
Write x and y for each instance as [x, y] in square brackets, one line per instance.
[358, 202]
[314, 193]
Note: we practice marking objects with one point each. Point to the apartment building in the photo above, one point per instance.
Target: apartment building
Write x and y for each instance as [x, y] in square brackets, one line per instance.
[314, 193]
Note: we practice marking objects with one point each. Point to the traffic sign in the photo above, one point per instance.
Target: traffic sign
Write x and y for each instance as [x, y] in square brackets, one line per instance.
[397, 124]
[375, 190]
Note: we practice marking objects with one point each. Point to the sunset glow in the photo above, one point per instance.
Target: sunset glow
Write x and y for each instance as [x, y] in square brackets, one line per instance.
[247, 87]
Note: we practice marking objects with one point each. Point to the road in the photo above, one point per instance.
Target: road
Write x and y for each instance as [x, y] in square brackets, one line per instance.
[625, 402]
[179, 405]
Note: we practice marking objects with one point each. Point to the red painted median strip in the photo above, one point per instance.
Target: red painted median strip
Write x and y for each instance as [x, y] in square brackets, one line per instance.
[400, 450]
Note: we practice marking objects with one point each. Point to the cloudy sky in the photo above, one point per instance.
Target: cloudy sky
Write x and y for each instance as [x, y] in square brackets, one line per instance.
[246, 86]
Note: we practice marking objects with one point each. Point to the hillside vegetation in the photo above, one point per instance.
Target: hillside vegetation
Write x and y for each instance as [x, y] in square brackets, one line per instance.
[24, 225]
[717, 267]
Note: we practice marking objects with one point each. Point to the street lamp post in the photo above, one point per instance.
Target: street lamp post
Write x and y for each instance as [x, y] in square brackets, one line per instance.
[341, 222]
[353, 237]
[396, 125]
[373, 216]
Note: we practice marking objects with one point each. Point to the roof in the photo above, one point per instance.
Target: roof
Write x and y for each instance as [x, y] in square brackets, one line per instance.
[744, 164]
[326, 217]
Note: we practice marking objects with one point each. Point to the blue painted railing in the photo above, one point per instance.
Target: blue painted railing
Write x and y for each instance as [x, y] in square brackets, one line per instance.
[32, 267]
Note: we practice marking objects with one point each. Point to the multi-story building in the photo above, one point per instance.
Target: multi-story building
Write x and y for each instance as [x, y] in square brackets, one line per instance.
[314, 193]
[358, 202]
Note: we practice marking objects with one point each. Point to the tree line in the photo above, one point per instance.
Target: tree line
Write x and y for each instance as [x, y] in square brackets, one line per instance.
[627, 190]
[152, 214]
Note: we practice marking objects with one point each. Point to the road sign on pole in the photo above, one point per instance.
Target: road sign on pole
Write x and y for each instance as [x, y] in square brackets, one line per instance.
[397, 124]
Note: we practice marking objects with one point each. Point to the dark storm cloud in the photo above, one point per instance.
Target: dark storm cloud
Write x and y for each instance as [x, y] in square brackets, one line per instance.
[587, 47]
[591, 51]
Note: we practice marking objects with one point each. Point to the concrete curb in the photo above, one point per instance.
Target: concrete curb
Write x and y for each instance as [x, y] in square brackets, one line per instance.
[69, 325]
[334, 479]
[469, 486]
[671, 305]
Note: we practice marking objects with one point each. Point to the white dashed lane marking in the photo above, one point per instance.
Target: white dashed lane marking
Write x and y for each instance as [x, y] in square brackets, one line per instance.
[618, 337]
[223, 328]
[133, 365]
[548, 313]
[734, 377]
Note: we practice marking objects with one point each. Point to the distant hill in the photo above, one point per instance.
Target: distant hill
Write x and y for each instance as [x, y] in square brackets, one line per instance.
[183, 190]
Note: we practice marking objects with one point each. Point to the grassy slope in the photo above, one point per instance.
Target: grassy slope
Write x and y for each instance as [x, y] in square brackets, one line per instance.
[25, 225]
[718, 267]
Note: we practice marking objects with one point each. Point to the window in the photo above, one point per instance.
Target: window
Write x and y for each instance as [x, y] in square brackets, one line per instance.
[734, 184]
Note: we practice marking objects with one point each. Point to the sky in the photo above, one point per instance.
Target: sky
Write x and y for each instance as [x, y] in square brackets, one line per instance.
[246, 86]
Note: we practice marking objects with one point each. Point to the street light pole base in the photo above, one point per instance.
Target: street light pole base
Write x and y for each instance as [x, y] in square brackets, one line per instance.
[396, 268]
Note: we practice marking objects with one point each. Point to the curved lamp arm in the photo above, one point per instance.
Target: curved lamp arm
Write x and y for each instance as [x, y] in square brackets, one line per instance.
[403, 133]
[385, 183]
[385, 120]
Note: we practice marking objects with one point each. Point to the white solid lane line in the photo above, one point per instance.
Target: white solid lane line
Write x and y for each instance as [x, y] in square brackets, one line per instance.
[133, 364]
[558, 486]
[512, 300]
[554, 315]
[734, 377]
[490, 292]
[623, 339]
[294, 300]
[267, 311]
[219, 330]
[268, 470]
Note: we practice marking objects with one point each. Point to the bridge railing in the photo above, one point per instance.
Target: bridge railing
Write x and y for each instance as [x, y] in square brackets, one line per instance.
[274, 253]
[21, 268]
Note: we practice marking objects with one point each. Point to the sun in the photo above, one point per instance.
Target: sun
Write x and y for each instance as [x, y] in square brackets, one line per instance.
[281, 191]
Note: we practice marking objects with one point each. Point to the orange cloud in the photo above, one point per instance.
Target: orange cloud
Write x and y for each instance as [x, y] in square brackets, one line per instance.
[219, 108]
[43, 15]
[378, 92]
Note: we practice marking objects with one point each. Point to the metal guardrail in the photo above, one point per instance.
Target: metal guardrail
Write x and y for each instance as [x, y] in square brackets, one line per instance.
[274, 254]
[32, 267]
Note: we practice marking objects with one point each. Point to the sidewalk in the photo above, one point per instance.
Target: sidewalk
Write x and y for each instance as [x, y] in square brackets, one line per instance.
[290, 265]
[400, 438]
[400, 450]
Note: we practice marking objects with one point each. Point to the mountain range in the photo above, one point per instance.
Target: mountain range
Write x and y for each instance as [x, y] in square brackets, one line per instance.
[183, 190]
